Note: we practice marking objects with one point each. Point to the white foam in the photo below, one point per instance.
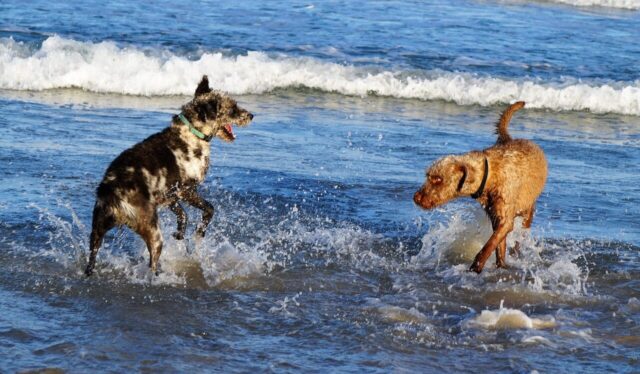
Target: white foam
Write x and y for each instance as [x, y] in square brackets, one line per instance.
[536, 340]
[631, 307]
[286, 305]
[541, 269]
[620, 4]
[207, 262]
[456, 241]
[218, 260]
[108, 68]
[509, 319]
[392, 313]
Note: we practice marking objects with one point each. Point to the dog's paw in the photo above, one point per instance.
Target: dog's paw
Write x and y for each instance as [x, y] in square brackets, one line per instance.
[515, 251]
[88, 271]
[476, 267]
[200, 233]
[157, 270]
[178, 235]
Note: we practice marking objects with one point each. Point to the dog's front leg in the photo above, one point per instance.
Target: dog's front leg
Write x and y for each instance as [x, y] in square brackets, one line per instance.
[199, 202]
[502, 225]
[498, 236]
[182, 220]
[501, 253]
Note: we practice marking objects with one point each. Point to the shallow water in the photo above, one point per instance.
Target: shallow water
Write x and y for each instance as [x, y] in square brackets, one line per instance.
[317, 257]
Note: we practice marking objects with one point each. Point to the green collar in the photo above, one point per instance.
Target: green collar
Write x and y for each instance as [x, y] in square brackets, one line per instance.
[193, 130]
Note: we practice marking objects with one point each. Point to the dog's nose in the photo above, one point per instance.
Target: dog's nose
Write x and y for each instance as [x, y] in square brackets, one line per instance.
[419, 200]
[250, 116]
[417, 197]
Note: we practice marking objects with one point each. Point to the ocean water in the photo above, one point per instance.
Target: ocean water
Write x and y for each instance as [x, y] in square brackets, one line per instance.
[317, 259]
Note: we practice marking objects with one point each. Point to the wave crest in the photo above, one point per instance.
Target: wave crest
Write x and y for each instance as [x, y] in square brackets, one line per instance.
[620, 4]
[107, 68]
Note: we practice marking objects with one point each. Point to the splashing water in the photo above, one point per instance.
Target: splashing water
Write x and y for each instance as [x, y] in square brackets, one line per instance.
[541, 267]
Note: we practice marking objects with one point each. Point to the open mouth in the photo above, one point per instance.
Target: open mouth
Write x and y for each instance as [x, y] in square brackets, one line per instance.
[229, 131]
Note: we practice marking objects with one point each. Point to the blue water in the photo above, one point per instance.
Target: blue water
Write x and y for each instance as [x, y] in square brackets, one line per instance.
[508, 39]
[317, 258]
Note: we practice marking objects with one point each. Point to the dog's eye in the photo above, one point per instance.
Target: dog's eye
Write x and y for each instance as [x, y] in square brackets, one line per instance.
[435, 179]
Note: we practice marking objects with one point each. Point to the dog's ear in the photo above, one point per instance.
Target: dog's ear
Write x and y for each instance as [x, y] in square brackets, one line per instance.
[206, 111]
[201, 110]
[203, 86]
[462, 168]
[468, 177]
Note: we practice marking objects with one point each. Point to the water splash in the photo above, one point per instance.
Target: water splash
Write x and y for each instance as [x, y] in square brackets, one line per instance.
[448, 248]
[227, 256]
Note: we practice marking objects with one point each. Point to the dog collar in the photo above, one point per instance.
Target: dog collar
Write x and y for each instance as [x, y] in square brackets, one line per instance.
[478, 193]
[193, 130]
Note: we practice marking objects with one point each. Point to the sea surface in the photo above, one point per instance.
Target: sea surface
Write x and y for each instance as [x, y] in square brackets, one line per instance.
[317, 260]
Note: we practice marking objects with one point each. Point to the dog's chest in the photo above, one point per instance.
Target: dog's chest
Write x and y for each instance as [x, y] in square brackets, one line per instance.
[193, 162]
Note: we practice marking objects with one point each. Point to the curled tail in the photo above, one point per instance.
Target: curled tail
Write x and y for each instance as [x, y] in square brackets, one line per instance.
[501, 127]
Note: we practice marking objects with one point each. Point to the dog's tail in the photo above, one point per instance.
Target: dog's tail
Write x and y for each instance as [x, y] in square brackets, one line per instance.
[501, 127]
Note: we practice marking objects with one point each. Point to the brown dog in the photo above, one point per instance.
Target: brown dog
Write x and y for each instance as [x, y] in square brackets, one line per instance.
[506, 179]
[164, 169]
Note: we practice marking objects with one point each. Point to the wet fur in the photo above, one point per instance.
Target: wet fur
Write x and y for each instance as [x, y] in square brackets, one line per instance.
[164, 170]
[516, 177]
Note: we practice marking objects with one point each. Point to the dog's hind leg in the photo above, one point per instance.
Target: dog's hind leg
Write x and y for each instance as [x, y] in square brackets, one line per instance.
[149, 230]
[501, 253]
[102, 222]
[182, 220]
[526, 224]
[199, 202]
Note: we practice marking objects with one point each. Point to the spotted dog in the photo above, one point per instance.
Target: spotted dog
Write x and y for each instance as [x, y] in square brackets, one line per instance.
[164, 170]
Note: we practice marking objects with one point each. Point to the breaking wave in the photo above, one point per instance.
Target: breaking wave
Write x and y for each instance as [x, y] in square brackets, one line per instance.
[621, 4]
[108, 68]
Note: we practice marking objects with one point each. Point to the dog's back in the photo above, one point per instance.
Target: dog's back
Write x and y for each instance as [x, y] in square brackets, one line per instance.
[140, 175]
[518, 164]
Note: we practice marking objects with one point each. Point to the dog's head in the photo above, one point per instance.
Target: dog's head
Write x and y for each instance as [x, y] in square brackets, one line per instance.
[449, 178]
[214, 113]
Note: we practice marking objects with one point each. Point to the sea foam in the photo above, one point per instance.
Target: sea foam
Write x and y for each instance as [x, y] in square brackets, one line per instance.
[542, 268]
[108, 68]
[621, 4]
[509, 319]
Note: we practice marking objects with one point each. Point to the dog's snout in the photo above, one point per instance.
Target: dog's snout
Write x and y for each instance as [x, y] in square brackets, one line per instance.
[250, 116]
[421, 199]
[417, 197]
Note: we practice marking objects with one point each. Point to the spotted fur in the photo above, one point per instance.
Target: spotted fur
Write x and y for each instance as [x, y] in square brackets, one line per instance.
[164, 170]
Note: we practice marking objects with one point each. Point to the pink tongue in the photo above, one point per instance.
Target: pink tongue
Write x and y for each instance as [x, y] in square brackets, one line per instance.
[230, 130]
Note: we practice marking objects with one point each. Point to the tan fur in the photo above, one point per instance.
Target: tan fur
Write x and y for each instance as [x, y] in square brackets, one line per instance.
[505, 118]
[516, 177]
